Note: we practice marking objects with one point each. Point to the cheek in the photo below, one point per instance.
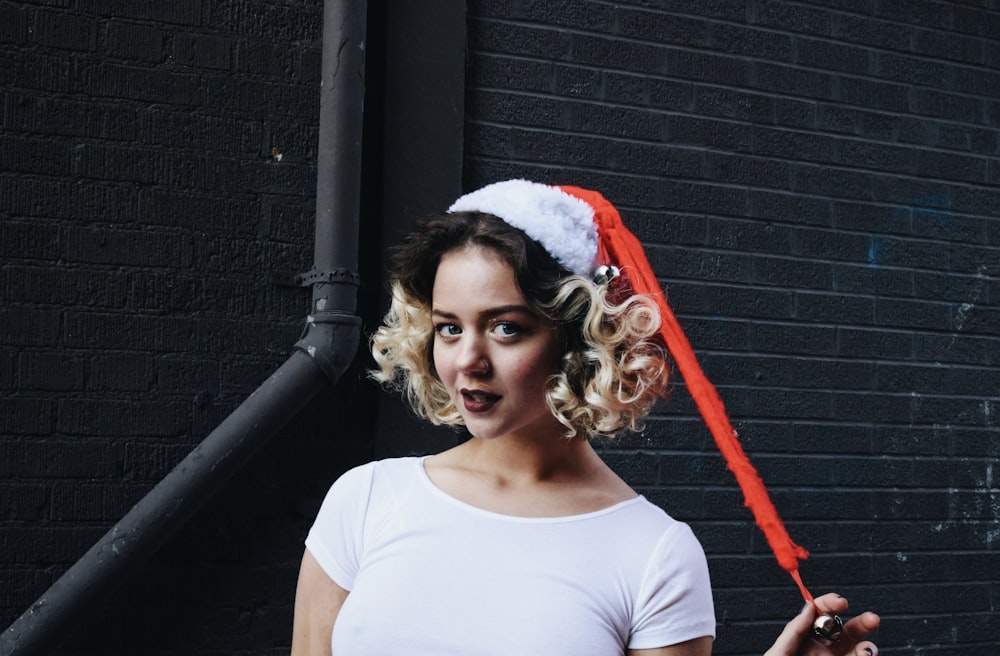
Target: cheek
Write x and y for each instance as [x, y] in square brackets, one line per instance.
[439, 363]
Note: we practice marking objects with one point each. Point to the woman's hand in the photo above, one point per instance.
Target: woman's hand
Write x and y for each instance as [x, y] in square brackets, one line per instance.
[796, 639]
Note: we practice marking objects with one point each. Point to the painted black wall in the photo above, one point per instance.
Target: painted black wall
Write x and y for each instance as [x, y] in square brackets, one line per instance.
[818, 184]
[157, 167]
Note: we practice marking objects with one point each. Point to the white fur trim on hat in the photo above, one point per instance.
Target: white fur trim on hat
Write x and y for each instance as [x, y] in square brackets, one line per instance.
[561, 223]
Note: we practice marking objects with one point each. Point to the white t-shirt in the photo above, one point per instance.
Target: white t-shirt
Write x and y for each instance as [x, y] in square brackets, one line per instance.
[429, 575]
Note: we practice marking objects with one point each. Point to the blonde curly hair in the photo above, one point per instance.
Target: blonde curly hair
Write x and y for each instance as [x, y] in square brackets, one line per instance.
[613, 367]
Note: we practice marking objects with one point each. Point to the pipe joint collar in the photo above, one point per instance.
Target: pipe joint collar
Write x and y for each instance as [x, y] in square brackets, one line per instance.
[331, 339]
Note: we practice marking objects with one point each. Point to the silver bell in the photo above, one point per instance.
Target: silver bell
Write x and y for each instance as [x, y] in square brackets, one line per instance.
[606, 274]
[827, 629]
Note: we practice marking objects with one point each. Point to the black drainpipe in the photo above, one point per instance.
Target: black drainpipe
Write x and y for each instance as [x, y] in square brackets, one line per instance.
[318, 359]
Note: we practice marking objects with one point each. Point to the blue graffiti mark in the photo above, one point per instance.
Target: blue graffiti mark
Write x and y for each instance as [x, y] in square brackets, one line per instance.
[875, 246]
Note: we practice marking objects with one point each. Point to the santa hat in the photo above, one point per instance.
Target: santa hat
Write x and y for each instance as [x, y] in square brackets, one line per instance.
[583, 231]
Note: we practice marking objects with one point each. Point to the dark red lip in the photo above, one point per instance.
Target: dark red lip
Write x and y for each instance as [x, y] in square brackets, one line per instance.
[477, 401]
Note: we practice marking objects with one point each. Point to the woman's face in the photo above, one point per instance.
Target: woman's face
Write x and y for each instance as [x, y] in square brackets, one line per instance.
[492, 352]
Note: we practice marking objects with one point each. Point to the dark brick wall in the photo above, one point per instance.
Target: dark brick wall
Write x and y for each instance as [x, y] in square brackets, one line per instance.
[143, 210]
[818, 184]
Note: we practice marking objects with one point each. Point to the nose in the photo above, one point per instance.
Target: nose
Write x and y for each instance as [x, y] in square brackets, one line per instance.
[472, 356]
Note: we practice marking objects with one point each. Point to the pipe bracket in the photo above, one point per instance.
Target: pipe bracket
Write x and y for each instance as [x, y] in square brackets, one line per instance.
[339, 275]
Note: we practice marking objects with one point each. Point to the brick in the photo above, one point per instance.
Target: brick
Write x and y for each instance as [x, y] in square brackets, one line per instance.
[576, 82]
[201, 50]
[25, 416]
[943, 45]
[912, 314]
[725, 135]
[670, 94]
[801, 274]
[780, 15]
[862, 343]
[944, 225]
[182, 374]
[868, 155]
[7, 370]
[528, 41]
[922, 12]
[948, 105]
[40, 370]
[149, 333]
[733, 104]
[697, 265]
[837, 118]
[120, 372]
[789, 144]
[799, 82]
[866, 30]
[35, 240]
[944, 286]
[287, 22]
[263, 58]
[133, 418]
[629, 56]
[526, 75]
[693, 197]
[825, 55]
[116, 246]
[792, 338]
[35, 198]
[830, 181]
[748, 301]
[134, 83]
[50, 285]
[56, 116]
[705, 67]
[13, 25]
[794, 113]
[789, 208]
[183, 12]
[38, 156]
[65, 30]
[49, 545]
[755, 237]
[875, 94]
[742, 40]
[75, 502]
[655, 26]
[978, 21]
[876, 125]
[29, 327]
[750, 171]
[190, 210]
[872, 279]
[717, 333]
[135, 41]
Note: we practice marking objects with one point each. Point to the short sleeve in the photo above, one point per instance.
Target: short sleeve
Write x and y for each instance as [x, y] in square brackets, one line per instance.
[675, 603]
[336, 539]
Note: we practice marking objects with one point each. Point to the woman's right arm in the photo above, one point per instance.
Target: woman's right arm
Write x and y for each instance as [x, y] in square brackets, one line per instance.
[317, 602]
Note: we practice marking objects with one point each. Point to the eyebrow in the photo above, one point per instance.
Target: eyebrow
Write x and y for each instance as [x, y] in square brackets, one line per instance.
[489, 314]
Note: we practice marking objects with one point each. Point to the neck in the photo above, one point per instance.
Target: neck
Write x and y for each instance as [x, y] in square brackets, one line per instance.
[550, 457]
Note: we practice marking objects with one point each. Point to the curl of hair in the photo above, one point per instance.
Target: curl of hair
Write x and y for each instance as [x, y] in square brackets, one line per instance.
[403, 350]
[612, 369]
[610, 378]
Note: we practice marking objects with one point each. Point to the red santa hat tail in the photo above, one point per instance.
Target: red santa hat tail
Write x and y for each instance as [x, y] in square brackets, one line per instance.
[563, 220]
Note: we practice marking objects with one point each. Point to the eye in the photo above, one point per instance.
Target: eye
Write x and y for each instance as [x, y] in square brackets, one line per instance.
[506, 329]
[447, 330]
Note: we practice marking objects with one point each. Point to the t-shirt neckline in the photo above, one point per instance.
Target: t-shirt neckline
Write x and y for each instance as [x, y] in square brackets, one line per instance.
[557, 519]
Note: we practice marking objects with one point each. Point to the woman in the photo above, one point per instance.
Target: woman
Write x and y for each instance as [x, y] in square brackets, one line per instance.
[519, 540]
